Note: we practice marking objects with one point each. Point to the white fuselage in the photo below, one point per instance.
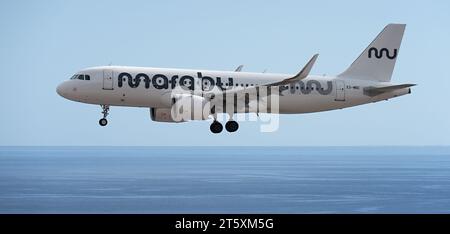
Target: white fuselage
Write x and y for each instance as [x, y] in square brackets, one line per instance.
[148, 87]
[181, 95]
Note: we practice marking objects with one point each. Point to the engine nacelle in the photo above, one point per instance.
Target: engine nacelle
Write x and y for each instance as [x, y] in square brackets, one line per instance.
[190, 107]
[185, 107]
[162, 115]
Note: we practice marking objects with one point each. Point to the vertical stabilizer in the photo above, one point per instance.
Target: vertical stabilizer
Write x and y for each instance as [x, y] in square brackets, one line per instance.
[377, 61]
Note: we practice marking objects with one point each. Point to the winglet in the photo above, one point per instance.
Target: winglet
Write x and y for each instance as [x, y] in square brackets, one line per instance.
[238, 69]
[305, 71]
[301, 75]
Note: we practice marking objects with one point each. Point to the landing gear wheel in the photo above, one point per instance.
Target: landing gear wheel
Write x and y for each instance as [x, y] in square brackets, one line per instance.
[103, 122]
[232, 126]
[216, 127]
[105, 112]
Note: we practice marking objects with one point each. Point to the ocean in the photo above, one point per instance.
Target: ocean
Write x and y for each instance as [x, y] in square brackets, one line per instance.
[224, 179]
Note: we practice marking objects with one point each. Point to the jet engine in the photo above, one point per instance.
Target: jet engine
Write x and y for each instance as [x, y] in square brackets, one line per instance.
[185, 107]
[162, 115]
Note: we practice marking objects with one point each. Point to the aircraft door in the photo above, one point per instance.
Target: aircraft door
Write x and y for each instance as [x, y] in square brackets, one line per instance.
[108, 79]
[340, 90]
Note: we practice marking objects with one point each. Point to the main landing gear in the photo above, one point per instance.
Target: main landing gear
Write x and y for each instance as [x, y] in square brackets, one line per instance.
[216, 127]
[103, 121]
[230, 126]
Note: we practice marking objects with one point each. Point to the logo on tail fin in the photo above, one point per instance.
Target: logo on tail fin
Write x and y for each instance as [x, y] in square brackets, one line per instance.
[379, 54]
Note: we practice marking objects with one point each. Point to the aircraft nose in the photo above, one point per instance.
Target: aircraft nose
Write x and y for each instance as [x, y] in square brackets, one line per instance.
[62, 89]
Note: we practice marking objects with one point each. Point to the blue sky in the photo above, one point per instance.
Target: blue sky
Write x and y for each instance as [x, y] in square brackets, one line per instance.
[42, 43]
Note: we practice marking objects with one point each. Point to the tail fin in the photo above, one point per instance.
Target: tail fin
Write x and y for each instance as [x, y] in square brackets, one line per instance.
[377, 61]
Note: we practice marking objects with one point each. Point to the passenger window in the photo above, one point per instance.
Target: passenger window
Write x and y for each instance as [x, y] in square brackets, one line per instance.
[87, 77]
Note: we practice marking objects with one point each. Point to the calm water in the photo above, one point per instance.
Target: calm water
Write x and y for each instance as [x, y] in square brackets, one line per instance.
[224, 180]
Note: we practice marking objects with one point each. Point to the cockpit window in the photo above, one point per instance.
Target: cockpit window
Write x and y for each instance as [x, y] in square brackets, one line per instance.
[80, 77]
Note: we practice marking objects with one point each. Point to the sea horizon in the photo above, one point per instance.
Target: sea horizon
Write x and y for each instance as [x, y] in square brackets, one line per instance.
[211, 179]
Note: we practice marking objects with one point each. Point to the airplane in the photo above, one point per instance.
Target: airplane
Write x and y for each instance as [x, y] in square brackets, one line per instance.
[171, 93]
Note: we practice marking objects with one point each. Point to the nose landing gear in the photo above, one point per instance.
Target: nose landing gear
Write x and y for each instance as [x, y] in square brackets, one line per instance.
[103, 121]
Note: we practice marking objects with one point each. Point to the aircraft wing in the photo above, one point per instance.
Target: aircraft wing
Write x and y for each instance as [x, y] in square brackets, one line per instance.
[216, 97]
[300, 76]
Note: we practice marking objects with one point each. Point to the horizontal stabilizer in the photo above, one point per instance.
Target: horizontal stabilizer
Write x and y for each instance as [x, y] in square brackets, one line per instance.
[374, 91]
